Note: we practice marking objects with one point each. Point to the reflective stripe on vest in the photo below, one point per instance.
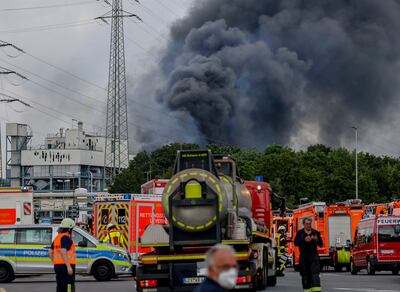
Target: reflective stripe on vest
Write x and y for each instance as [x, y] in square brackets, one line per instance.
[71, 253]
[114, 237]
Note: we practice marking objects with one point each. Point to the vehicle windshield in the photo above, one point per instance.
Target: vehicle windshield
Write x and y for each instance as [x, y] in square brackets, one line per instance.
[224, 168]
[87, 235]
[389, 233]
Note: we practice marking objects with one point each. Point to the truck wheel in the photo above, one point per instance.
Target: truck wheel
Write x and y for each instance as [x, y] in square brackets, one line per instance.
[265, 278]
[259, 281]
[103, 271]
[370, 268]
[353, 269]
[6, 273]
[271, 281]
[264, 271]
[395, 272]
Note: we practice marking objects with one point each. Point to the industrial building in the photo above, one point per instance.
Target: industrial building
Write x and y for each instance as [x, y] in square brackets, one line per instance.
[69, 160]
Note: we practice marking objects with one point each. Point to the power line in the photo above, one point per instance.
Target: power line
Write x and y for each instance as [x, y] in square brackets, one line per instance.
[167, 8]
[9, 99]
[46, 6]
[51, 26]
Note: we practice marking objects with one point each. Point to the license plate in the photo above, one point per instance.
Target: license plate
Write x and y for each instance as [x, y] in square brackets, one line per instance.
[194, 280]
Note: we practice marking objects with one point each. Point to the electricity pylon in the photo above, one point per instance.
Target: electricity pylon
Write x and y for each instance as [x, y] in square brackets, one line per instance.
[116, 155]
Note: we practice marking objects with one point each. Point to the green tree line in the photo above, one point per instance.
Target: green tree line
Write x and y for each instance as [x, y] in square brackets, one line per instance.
[320, 173]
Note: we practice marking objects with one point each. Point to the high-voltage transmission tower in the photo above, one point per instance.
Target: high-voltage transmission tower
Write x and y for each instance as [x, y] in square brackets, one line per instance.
[116, 151]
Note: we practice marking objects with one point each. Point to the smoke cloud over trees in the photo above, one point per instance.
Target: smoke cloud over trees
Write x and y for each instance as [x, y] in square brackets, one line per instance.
[251, 72]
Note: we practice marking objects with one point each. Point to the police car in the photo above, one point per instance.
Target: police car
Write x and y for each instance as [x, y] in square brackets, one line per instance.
[24, 250]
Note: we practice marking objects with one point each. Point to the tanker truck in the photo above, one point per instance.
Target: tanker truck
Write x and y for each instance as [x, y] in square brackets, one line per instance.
[205, 203]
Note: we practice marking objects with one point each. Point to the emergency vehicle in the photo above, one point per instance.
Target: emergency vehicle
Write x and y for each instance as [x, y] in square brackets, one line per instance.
[287, 221]
[377, 245]
[316, 212]
[341, 224]
[337, 224]
[131, 214]
[206, 203]
[16, 206]
[375, 209]
[24, 250]
[394, 207]
[154, 186]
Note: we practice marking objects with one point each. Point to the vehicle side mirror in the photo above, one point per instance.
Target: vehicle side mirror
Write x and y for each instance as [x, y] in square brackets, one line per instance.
[82, 243]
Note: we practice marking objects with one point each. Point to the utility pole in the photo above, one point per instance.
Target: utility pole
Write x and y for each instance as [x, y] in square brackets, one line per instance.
[356, 136]
[116, 156]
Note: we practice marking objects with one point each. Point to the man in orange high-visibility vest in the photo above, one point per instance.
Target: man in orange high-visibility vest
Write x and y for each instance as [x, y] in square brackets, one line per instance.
[114, 237]
[63, 256]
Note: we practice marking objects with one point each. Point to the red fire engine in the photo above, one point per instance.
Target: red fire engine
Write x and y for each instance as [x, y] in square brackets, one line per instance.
[316, 212]
[341, 224]
[154, 186]
[336, 224]
[261, 195]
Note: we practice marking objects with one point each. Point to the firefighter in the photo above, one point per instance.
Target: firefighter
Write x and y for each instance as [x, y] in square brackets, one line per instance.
[114, 236]
[308, 239]
[282, 253]
[63, 256]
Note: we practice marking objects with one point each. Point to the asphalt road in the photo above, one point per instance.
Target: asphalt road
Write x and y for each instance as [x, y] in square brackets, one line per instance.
[331, 282]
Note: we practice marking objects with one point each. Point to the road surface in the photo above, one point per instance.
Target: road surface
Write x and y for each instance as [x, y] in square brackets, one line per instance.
[331, 282]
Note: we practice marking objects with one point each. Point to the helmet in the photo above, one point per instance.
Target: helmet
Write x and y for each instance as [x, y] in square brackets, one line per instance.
[109, 226]
[282, 228]
[67, 223]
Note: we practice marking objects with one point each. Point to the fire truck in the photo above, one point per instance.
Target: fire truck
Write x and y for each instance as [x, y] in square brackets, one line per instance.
[131, 214]
[341, 224]
[316, 212]
[261, 194]
[375, 209]
[16, 206]
[154, 186]
[287, 221]
[337, 224]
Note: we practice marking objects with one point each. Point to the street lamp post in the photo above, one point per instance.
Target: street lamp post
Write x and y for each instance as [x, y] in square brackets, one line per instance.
[356, 136]
[91, 182]
[73, 176]
[63, 196]
[79, 184]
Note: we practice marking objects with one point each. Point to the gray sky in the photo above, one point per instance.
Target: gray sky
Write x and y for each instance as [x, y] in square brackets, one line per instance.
[63, 33]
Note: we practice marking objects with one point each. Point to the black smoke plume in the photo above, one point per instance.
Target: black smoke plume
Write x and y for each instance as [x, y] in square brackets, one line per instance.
[253, 72]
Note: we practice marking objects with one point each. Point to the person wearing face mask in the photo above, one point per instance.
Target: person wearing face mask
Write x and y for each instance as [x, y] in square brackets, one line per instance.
[222, 268]
[308, 240]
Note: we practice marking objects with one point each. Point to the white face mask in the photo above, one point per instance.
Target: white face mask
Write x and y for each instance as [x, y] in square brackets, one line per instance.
[227, 279]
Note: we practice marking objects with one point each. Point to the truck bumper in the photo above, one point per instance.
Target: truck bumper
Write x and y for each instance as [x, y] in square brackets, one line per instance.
[188, 289]
[385, 266]
[173, 281]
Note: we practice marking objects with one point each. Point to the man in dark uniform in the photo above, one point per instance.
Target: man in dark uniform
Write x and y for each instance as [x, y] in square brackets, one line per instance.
[222, 268]
[63, 256]
[308, 239]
